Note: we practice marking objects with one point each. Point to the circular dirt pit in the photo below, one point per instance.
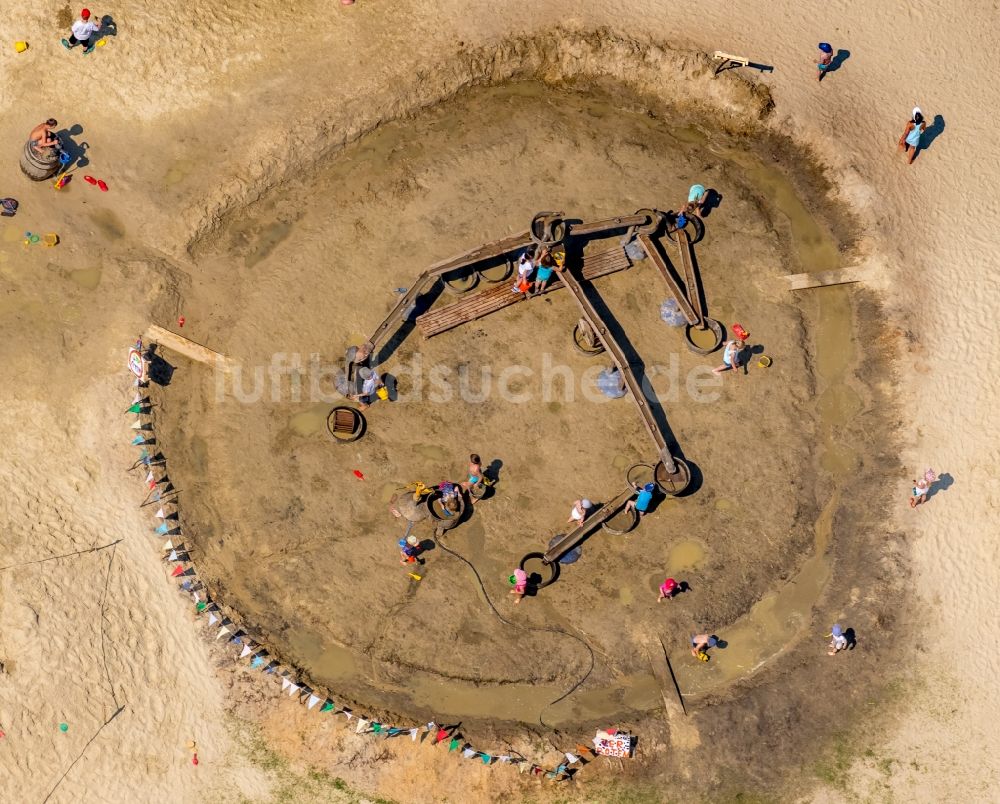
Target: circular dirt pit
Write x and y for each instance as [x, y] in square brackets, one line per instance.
[306, 549]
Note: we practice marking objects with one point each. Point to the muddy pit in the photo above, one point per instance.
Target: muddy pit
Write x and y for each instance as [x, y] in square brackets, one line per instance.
[306, 552]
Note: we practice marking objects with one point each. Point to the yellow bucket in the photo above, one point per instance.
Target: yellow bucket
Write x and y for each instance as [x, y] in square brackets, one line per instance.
[382, 393]
[51, 239]
[20, 47]
[764, 361]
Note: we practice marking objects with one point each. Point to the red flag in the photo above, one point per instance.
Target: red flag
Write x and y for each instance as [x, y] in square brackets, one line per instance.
[178, 570]
[441, 735]
[358, 475]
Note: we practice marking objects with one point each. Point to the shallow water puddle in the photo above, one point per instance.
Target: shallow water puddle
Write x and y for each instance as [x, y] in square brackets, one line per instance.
[684, 556]
[310, 421]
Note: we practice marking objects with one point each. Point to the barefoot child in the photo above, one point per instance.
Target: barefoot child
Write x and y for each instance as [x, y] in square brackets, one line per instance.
[520, 581]
[838, 641]
[825, 57]
[668, 589]
[910, 141]
[730, 357]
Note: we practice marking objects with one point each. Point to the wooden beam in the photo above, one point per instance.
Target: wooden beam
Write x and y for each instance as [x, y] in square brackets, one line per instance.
[719, 55]
[838, 276]
[188, 348]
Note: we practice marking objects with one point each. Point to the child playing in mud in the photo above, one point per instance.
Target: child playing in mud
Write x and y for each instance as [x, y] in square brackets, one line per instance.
[700, 643]
[838, 641]
[522, 282]
[579, 511]
[731, 357]
[668, 589]
[697, 196]
[520, 581]
[641, 503]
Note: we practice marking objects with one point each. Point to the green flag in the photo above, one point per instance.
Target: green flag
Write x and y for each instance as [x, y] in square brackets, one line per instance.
[326, 707]
[134, 409]
[200, 605]
[486, 759]
[453, 744]
[376, 727]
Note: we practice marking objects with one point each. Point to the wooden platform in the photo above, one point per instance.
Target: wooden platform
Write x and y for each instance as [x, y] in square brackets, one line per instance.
[177, 343]
[477, 305]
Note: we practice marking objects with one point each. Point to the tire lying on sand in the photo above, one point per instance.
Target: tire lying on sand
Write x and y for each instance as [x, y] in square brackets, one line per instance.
[39, 166]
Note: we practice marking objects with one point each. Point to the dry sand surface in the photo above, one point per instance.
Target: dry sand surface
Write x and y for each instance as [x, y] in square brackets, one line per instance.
[194, 113]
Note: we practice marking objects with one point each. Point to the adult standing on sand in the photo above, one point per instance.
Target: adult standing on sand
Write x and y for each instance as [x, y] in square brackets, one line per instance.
[911, 134]
[84, 30]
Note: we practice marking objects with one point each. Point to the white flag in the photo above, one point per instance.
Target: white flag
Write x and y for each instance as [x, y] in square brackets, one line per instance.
[571, 759]
[361, 725]
[413, 734]
[159, 514]
[212, 619]
[222, 632]
[284, 683]
[149, 476]
[292, 689]
[172, 556]
[137, 399]
[136, 425]
[349, 715]
[313, 700]
[468, 753]
[504, 758]
[245, 652]
[168, 545]
[430, 726]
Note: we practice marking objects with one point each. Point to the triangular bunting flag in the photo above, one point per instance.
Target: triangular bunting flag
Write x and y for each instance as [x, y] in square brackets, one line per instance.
[160, 514]
[149, 478]
[376, 727]
[522, 767]
[349, 715]
[200, 606]
[393, 731]
[134, 408]
[285, 683]
[137, 399]
[361, 725]
[327, 706]
[571, 759]
[135, 425]
[486, 759]
[257, 661]
[172, 556]
[222, 632]
[138, 440]
[441, 735]
[413, 734]
[503, 758]
[430, 725]
[178, 570]
[161, 529]
[168, 545]
[313, 700]
[453, 744]
[292, 689]
[468, 753]
[212, 619]
[245, 652]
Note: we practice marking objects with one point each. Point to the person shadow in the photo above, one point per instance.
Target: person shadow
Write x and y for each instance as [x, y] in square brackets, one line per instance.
[76, 151]
[838, 61]
[851, 637]
[943, 483]
[932, 132]
[713, 199]
[108, 26]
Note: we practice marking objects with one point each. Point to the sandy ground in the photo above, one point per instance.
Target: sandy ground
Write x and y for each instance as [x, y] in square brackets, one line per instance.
[221, 89]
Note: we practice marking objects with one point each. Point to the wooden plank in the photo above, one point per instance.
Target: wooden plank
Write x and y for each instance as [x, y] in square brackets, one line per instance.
[659, 663]
[822, 279]
[434, 322]
[188, 348]
[667, 272]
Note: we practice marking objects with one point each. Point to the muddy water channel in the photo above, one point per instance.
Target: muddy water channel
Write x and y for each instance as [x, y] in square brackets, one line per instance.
[308, 555]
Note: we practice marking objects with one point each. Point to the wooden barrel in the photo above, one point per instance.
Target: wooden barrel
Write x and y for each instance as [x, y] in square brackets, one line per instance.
[346, 424]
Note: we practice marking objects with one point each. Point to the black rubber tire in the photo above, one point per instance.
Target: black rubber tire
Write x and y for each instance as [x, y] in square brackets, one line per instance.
[35, 167]
[632, 481]
[580, 347]
[542, 236]
[554, 567]
[493, 278]
[699, 230]
[710, 323]
[656, 219]
[678, 486]
[359, 431]
[618, 531]
[460, 289]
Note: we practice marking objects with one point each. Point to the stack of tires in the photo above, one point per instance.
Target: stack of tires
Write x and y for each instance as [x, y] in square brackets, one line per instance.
[39, 165]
